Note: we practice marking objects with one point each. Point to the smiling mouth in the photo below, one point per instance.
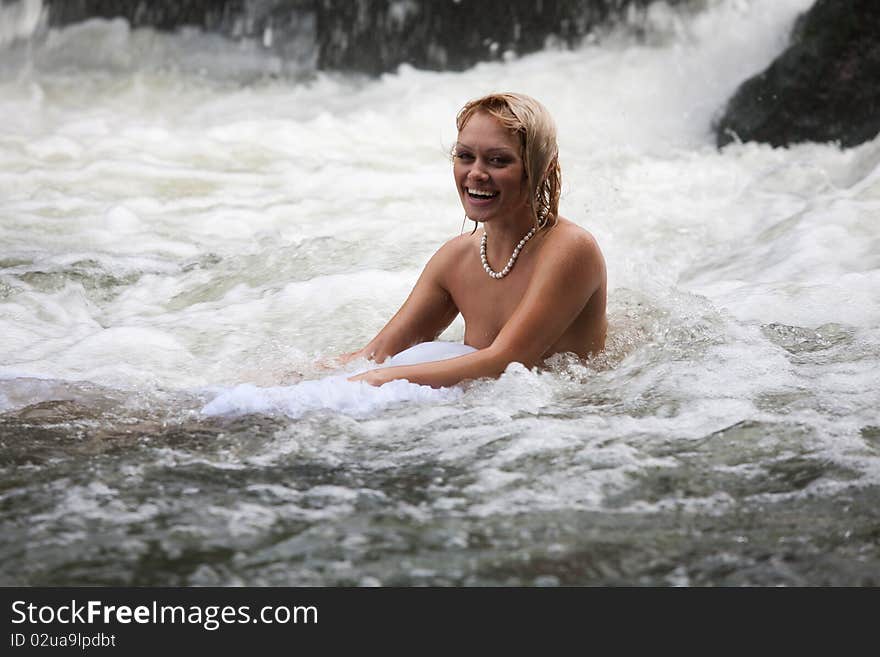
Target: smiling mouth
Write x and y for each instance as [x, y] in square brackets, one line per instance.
[480, 194]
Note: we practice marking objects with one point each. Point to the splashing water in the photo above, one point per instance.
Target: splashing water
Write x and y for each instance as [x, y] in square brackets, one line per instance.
[183, 216]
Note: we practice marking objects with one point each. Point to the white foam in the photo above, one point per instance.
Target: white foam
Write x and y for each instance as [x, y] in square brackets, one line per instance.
[172, 229]
[19, 20]
[336, 393]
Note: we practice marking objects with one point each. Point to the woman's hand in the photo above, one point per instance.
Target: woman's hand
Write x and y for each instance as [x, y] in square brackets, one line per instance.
[335, 362]
[373, 377]
[345, 359]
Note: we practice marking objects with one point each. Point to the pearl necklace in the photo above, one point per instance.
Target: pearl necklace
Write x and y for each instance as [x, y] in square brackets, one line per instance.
[504, 272]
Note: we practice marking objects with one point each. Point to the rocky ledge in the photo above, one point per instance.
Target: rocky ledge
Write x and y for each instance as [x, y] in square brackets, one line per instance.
[825, 87]
[373, 36]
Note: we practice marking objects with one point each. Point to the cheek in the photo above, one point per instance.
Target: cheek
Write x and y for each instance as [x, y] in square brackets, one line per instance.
[520, 184]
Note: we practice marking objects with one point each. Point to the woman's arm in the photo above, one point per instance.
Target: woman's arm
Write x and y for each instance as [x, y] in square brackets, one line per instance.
[570, 271]
[424, 315]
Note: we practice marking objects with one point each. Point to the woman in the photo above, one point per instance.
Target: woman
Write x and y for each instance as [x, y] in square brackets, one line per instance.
[530, 284]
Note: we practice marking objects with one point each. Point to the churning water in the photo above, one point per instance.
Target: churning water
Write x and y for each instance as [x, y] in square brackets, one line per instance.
[185, 217]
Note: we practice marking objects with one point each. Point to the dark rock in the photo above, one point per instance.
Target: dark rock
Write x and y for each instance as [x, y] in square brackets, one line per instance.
[372, 36]
[378, 35]
[824, 87]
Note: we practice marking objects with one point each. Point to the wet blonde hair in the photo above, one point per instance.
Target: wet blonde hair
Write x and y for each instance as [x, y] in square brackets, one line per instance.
[530, 120]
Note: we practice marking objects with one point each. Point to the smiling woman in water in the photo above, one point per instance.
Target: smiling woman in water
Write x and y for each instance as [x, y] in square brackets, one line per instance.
[530, 284]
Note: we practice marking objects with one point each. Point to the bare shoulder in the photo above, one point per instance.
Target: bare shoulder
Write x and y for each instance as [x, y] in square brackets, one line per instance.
[447, 259]
[458, 244]
[454, 249]
[573, 246]
[567, 233]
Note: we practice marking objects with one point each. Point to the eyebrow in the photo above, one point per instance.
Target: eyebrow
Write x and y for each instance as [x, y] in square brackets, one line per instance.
[503, 149]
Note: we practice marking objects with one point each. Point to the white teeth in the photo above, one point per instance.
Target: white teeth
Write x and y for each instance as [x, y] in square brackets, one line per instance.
[480, 192]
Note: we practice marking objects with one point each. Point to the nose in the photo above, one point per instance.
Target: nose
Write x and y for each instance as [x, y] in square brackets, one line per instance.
[478, 172]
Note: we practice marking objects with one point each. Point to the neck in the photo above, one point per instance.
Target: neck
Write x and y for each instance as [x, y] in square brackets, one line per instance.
[493, 258]
[504, 236]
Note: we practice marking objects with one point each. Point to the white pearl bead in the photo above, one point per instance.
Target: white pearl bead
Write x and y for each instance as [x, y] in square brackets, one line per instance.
[504, 272]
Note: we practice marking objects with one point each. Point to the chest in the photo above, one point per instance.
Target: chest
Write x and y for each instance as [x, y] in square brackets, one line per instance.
[486, 304]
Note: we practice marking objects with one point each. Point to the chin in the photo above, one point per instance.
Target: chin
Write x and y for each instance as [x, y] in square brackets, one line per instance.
[479, 214]
[478, 218]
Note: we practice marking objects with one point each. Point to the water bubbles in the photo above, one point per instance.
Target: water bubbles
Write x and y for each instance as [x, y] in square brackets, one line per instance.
[177, 223]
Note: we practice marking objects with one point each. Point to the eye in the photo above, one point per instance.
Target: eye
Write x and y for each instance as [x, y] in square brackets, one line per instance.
[463, 155]
[499, 161]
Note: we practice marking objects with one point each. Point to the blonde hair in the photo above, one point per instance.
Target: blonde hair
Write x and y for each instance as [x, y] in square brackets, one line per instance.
[530, 120]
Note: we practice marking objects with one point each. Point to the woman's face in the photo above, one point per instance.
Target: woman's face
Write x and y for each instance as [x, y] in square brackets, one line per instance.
[489, 170]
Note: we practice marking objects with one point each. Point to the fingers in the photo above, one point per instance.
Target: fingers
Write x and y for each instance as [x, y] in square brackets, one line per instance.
[373, 377]
[335, 362]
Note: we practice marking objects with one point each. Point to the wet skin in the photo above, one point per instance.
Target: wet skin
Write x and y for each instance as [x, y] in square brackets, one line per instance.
[553, 300]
